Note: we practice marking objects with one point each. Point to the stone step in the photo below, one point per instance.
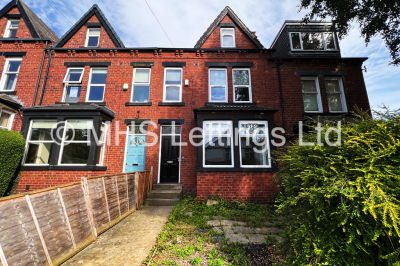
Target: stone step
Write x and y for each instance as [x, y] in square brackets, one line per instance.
[165, 194]
[160, 202]
[167, 187]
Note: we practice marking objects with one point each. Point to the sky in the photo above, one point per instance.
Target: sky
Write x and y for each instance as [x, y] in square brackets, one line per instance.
[185, 21]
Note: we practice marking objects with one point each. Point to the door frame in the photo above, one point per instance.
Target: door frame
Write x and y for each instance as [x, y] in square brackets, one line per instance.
[159, 152]
[126, 146]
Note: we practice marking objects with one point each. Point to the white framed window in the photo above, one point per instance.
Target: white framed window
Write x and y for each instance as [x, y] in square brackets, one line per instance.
[6, 119]
[75, 143]
[228, 37]
[335, 94]
[312, 41]
[311, 94]
[93, 37]
[101, 148]
[11, 29]
[241, 85]
[173, 85]
[39, 143]
[141, 85]
[10, 74]
[97, 84]
[254, 144]
[72, 86]
[218, 144]
[218, 85]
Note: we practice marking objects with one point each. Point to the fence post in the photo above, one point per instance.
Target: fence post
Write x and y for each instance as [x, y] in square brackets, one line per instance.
[127, 190]
[105, 196]
[136, 189]
[151, 179]
[66, 217]
[89, 208]
[119, 205]
[3, 257]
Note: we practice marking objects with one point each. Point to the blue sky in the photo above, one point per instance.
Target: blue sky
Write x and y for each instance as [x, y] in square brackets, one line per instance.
[185, 21]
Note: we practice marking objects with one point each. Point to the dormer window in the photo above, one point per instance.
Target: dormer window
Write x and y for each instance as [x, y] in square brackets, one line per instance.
[93, 37]
[228, 37]
[11, 29]
[312, 41]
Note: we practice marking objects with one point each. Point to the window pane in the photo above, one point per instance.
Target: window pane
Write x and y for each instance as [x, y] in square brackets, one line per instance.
[242, 94]
[295, 40]
[217, 128]
[169, 130]
[136, 129]
[252, 128]
[227, 41]
[39, 153]
[93, 41]
[96, 93]
[5, 119]
[74, 75]
[75, 153]
[73, 94]
[13, 66]
[142, 76]
[99, 76]
[173, 77]
[227, 31]
[141, 93]
[78, 130]
[217, 151]
[218, 94]
[241, 77]
[334, 102]
[12, 33]
[217, 77]
[10, 82]
[312, 41]
[172, 93]
[308, 86]
[329, 41]
[41, 130]
[14, 23]
[332, 86]
[248, 153]
[94, 32]
[310, 102]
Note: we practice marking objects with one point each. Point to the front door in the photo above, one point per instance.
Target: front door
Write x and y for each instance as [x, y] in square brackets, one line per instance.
[135, 153]
[170, 156]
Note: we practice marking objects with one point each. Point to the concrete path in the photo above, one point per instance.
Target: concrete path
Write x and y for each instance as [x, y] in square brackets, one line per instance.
[127, 243]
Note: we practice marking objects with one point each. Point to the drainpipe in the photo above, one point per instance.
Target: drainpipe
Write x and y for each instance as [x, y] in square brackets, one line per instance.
[40, 75]
[281, 94]
[45, 78]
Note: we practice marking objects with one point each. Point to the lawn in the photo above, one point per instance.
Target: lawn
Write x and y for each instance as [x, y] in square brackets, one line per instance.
[198, 234]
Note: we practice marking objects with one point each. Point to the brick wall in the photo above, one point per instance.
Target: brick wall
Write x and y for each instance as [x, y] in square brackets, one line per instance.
[22, 32]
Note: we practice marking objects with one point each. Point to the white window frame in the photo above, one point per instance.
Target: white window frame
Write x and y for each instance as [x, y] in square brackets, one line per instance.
[87, 37]
[342, 95]
[141, 84]
[172, 85]
[323, 41]
[210, 86]
[8, 60]
[74, 68]
[265, 123]
[249, 86]
[28, 141]
[102, 142]
[95, 85]
[7, 32]
[222, 37]
[320, 108]
[221, 135]
[72, 141]
[10, 123]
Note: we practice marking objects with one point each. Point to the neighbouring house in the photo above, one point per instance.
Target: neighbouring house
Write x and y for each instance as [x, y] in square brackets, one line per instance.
[117, 99]
[8, 108]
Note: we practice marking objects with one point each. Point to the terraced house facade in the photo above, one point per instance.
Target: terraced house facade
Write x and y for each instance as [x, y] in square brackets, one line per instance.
[88, 80]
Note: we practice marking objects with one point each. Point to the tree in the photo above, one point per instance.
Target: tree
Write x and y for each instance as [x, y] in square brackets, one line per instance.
[375, 17]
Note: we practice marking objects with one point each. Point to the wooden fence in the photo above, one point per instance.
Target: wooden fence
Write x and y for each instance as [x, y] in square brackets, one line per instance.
[48, 226]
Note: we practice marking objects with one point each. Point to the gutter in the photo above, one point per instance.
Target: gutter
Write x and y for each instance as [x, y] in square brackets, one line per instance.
[45, 77]
[40, 75]
[161, 48]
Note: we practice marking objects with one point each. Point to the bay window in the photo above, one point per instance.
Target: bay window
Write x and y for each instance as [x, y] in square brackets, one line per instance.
[173, 85]
[72, 87]
[141, 85]
[335, 94]
[6, 119]
[218, 144]
[10, 74]
[97, 85]
[241, 85]
[218, 85]
[311, 94]
[254, 144]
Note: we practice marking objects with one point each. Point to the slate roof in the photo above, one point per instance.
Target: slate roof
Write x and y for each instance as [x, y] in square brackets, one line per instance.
[71, 107]
[36, 26]
[7, 100]
[94, 10]
[228, 11]
[228, 107]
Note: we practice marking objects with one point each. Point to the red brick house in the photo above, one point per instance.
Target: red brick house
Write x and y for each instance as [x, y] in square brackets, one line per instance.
[227, 84]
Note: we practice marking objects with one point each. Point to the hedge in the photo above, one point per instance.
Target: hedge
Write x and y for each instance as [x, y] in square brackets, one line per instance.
[12, 146]
[343, 202]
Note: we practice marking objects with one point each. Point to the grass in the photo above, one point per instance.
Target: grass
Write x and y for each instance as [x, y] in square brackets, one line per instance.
[187, 239]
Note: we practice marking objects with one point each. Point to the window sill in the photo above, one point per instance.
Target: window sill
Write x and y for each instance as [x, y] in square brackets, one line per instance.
[236, 169]
[8, 92]
[63, 168]
[83, 103]
[225, 103]
[138, 104]
[171, 104]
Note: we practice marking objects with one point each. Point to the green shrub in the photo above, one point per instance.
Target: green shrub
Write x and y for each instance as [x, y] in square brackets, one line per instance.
[342, 203]
[12, 145]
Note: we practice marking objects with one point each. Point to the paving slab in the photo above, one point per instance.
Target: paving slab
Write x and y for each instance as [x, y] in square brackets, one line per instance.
[127, 243]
